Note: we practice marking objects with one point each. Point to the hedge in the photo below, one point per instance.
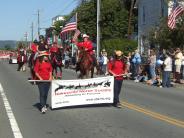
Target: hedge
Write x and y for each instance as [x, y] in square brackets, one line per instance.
[124, 45]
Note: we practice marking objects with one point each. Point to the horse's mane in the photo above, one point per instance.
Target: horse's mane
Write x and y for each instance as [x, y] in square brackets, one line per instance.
[86, 62]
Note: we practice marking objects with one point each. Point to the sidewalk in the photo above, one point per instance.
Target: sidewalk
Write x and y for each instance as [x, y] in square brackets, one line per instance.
[177, 85]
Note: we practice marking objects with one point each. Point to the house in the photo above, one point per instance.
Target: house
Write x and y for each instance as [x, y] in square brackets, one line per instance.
[150, 13]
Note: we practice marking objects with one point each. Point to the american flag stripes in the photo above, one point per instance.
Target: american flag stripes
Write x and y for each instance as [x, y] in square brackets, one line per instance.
[77, 33]
[70, 25]
[176, 11]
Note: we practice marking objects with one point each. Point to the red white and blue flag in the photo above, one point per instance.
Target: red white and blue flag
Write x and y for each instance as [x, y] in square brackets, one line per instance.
[176, 11]
[77, 33]
[70, 25]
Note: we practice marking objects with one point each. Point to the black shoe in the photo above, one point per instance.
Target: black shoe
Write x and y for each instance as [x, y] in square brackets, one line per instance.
[118, 105]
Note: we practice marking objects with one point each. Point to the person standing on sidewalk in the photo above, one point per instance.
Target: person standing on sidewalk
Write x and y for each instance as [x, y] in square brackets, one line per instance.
[104, 67]
[116, 67]
[167, 69]
[43, 71]
[178, 60]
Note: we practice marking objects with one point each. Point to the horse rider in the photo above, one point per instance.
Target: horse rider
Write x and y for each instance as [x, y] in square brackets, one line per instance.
[42, 46]
[31, 62]
[88, 46]
[21, 58]
[54, 49]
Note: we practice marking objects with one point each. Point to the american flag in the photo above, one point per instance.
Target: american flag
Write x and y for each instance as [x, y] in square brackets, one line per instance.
[70, 25]
[77, 33]
[176, 11]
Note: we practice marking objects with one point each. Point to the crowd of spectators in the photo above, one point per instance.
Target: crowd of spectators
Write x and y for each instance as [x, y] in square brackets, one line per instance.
[160, 68]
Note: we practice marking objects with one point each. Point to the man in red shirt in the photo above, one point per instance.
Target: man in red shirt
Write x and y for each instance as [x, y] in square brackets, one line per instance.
[116, 68]
[34, 46]
[88, 46]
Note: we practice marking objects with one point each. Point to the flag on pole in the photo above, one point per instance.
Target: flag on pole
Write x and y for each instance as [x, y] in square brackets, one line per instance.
[176, 11]
[77, 33]
[70, 25]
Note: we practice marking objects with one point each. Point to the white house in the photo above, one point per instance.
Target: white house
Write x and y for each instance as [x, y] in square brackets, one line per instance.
[57, 18]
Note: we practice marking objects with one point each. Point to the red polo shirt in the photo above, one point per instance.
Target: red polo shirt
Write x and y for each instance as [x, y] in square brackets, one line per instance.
[34, 47]
[88, 45]
[117, 67]
[43, 69]
[54, 49]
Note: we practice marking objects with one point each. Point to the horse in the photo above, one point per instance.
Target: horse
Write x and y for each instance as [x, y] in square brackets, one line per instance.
[56, 61]
[31, 63]
[85, 64]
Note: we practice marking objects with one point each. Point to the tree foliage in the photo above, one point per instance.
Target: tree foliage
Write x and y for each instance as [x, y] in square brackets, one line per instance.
[124, 45]
[167, 38]
[113, 22]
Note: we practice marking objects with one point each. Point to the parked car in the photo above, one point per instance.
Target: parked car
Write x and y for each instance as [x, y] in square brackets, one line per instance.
[13, 60]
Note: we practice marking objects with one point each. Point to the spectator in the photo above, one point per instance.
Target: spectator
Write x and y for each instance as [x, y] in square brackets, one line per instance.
[182, 68]
[178, 61]
[136, 64]
[67, 58]
[105, 60]
[128, 58]
[152, 64]
[167, 69]
[100, 63]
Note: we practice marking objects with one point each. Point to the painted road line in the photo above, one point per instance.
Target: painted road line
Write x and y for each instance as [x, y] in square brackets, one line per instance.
[11, 117]
[154, 114]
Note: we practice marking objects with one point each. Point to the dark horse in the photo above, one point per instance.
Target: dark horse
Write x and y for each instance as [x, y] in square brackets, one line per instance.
[31, 63]
[56, 60]
[85, 64]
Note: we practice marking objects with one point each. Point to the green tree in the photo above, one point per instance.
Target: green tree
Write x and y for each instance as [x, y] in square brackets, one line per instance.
[7, 47]
[167, 38]
[113, 21]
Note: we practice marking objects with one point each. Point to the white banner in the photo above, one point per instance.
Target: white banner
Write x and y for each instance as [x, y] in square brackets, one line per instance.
[82, 92]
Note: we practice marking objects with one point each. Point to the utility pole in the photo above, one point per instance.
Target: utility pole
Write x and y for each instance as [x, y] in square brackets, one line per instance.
[130, 18]
[32, 32]
[98, 28]
[26, 36]
[38, 23]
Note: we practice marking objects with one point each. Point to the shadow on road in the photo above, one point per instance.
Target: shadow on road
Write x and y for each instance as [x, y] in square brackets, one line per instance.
[83, 106]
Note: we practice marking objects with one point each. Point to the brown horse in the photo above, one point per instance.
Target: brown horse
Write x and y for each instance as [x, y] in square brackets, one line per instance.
[85, 64]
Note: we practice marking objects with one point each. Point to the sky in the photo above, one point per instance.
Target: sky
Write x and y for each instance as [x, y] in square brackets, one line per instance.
[18, 15]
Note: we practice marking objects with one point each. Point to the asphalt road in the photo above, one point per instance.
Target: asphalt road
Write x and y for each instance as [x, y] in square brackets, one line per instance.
[147, 112]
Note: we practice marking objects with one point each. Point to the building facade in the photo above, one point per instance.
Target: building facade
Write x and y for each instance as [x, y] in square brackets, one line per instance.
[150, 13]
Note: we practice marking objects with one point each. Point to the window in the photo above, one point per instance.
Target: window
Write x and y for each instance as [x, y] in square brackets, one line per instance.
[143, 15]
[162, 8]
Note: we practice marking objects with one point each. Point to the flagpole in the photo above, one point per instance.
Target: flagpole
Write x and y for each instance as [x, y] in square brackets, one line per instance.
[75, 30]
[98, 28]
[76, 19]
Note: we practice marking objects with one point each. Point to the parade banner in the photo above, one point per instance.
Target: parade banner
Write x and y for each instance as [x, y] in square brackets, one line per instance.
[82, 92]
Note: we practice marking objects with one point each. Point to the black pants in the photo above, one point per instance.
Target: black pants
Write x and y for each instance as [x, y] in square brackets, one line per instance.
[43, 90]
[117, 90]
[20, 64]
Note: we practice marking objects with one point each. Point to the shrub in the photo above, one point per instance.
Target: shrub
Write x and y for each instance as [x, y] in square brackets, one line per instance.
[124, 45]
